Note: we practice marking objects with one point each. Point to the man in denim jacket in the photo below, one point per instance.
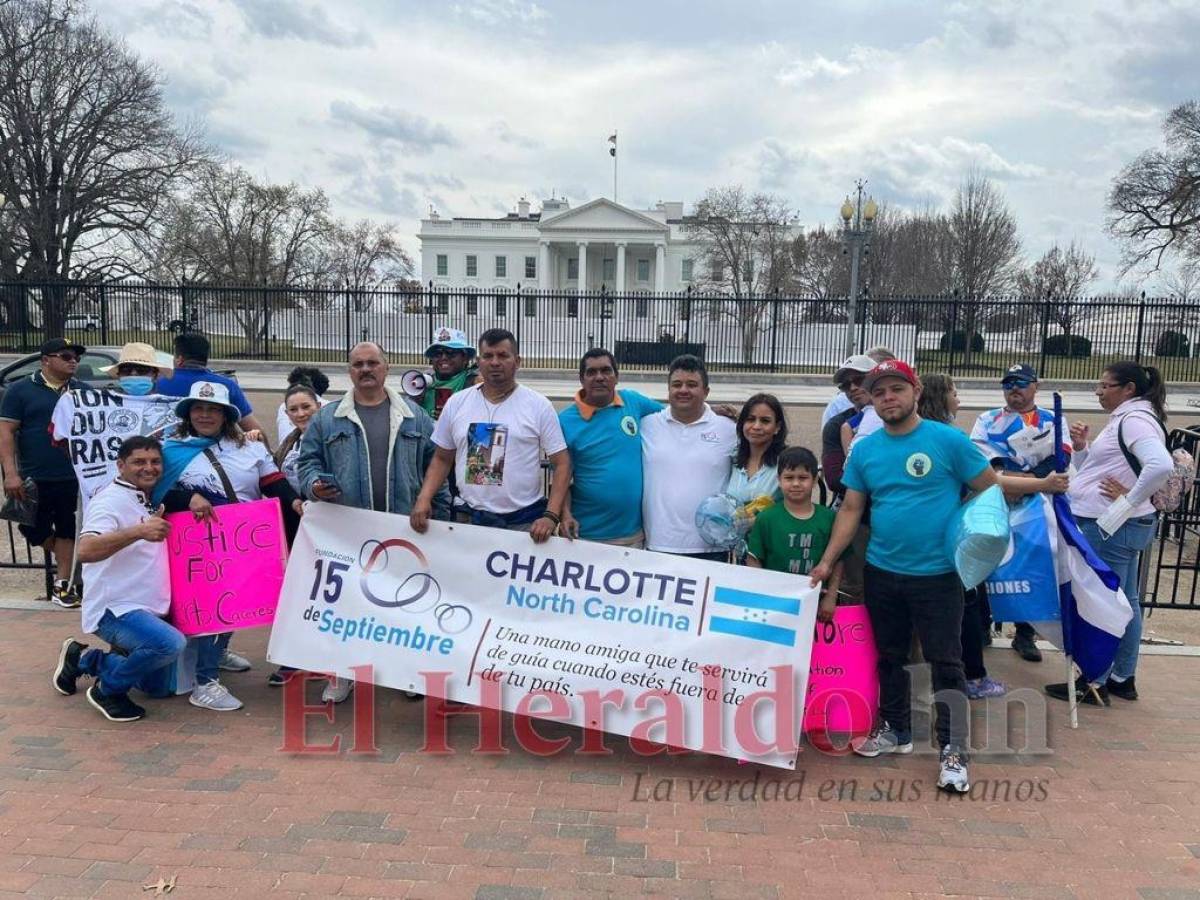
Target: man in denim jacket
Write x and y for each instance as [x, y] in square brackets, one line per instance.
[374, 443]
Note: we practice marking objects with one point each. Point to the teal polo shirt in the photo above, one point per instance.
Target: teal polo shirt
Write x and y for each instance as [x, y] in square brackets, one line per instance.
[606, 464]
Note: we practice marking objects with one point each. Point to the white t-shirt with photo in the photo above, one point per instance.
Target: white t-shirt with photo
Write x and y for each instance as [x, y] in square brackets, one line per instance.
[137, 577]
[246, 466]
[498, 447]
[681, 466]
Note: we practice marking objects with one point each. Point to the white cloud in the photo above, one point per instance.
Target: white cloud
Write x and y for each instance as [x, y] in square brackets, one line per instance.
[391, 105]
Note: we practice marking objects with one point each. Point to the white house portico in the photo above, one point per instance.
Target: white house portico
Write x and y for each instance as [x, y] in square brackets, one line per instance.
[600, 244]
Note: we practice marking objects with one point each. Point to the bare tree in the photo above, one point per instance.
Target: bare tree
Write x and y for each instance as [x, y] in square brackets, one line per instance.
[820, 271]
[232, 230]
[1182, 287]
[363, 257]
[88, 151]
[1154, 204]
[1058, 279]
[984, 249]
[745, 242]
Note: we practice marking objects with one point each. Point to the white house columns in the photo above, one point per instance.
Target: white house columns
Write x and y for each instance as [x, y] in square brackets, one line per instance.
[582, 282]
[545, 276]
[619, 286]
[660, 267]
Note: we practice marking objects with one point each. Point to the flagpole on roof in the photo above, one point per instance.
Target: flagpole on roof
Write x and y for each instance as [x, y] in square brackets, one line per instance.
[1060, 465]
[612, 151]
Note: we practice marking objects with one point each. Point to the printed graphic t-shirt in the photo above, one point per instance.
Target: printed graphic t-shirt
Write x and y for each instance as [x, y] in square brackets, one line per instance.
[784, 543]
[246, 467]
[498, 447]
[606, 465]
[914, 482]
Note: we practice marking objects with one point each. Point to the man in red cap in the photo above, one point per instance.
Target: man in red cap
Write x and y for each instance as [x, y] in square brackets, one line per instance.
[913, 471]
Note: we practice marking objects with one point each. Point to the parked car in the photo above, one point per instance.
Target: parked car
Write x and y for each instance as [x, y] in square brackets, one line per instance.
[82, 322]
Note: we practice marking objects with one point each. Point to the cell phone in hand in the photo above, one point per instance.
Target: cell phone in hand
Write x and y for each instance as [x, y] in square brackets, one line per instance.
[328, 480]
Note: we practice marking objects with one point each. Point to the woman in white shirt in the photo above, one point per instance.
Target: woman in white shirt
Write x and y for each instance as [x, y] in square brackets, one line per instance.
[208, 463]
[1110, 497]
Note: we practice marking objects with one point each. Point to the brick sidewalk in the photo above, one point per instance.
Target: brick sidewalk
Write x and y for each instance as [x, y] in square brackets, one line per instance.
[89, 808]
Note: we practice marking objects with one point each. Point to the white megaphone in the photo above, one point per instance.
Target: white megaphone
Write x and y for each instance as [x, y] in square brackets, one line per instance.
[414, 383]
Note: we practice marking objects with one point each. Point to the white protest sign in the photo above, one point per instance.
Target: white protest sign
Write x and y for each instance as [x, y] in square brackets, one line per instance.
[677, 648]
[94, 423]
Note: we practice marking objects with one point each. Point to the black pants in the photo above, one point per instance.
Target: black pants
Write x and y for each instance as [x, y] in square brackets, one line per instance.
[933, 604]
[974, 627]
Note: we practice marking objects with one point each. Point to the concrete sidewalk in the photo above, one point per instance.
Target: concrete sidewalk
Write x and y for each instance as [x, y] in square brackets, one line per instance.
[89, 808]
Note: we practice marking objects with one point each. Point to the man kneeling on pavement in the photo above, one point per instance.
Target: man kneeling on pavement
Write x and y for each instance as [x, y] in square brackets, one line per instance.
[123, 549]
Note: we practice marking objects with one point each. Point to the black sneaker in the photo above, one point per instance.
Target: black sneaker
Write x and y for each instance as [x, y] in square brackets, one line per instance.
[281, 676]
[1126, 689]
[117, 708]
[1025, 646]
[65, 595]
[1083, 693]
[67, 672]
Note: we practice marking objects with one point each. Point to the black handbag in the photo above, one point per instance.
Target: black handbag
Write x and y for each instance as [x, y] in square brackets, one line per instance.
[23, 512]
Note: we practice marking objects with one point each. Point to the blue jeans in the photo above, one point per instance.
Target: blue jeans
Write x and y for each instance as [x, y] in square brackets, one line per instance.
[1123, 552]
[209, 650]
[149, 646]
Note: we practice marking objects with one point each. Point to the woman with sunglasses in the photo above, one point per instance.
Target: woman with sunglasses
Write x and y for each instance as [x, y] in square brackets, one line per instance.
[1110, 495]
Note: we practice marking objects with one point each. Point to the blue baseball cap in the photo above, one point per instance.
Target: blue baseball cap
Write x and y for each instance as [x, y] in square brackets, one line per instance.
[1019, 372]
[450, 339]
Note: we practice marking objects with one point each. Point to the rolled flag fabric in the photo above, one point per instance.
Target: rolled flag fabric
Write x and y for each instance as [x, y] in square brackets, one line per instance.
[977, 539]
[1093, 609]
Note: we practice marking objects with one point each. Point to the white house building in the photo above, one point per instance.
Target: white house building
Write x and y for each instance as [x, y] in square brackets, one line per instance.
[599, 244]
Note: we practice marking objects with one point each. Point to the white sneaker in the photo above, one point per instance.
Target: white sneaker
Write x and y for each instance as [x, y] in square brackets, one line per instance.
[953, 775]
[232, 662]
[214, 695]
[337, 690]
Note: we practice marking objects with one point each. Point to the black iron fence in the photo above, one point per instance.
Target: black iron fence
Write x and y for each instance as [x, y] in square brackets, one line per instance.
[1063, 338]
[1171, 569]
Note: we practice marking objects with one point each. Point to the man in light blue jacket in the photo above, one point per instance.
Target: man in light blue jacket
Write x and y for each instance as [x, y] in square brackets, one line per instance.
[374, 443]
[370, 451]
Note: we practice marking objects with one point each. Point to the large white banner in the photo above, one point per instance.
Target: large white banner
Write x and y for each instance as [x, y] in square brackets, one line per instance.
[674, 650]
[94, 423]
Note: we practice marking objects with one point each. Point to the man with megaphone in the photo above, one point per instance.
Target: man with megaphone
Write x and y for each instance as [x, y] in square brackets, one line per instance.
[452, 358]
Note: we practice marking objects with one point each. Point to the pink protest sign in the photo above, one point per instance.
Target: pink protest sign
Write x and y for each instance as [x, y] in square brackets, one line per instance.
[227, 574]
[843, 682]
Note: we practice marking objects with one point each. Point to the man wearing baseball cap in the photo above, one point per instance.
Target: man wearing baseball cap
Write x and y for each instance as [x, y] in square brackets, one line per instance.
[452, 358]
[852, 369]
[1018, 440]
[26, 453]
[913, 471]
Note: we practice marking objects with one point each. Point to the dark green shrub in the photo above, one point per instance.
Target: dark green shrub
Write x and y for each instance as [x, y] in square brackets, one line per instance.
[957, 340]
[1173, 343]
[1057, 345]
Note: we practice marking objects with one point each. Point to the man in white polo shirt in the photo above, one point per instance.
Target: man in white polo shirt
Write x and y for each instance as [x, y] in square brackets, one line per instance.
[124, 554]
[687, 454]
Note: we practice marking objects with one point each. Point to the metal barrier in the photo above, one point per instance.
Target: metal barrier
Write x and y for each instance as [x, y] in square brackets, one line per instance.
[1171, 570]
[22, 557]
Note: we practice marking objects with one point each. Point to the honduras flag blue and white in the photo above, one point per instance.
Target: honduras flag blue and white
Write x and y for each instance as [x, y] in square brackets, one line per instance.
[756, 617]
[1092, 610]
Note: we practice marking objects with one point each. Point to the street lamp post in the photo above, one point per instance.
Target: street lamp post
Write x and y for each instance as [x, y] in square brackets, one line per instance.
[858, 222]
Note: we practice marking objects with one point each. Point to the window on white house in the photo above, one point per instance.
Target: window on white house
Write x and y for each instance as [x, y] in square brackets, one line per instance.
[501, 266]
[643, 270]
[501, 306]
[531, 267]
[472, 303]
[472, 265]
[608, 270]
[685, 273]
[443, 265]
[530, 305]
[573, 269]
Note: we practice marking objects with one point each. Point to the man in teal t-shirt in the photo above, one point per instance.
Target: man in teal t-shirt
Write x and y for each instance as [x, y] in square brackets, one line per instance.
[604, 436]
[914, 473]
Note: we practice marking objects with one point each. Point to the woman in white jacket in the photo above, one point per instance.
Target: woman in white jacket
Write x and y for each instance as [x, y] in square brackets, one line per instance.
[1110, 495]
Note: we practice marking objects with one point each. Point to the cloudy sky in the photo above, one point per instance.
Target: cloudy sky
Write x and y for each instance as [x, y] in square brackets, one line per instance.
[392, 106]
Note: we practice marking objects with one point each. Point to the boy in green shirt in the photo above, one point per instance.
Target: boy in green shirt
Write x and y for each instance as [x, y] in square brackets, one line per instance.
[792, 536]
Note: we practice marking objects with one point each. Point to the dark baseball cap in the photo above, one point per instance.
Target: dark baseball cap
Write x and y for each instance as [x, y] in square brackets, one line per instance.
[58, 345]
[1019, 372]
[893, 368]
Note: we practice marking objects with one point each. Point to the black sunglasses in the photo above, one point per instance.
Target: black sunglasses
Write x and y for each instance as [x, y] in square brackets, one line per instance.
[66, 356]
